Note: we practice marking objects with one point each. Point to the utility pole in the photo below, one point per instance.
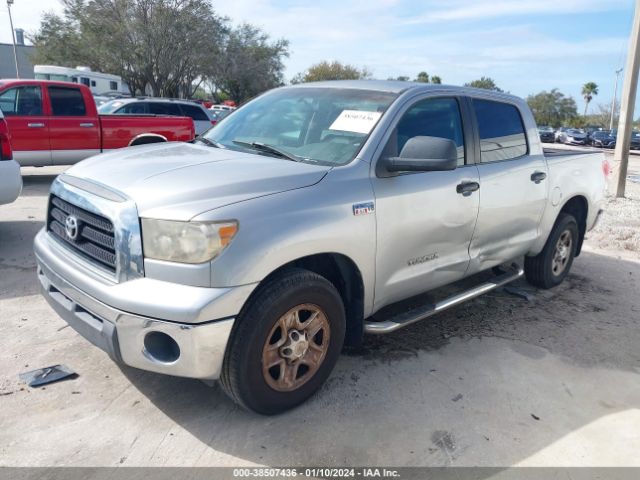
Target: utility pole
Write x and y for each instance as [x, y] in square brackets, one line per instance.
[615, 97]
[627, 105]
[13, 37]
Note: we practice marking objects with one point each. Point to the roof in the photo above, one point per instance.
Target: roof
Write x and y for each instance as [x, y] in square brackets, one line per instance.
[31, 81]
[398, 87]
[156, 99]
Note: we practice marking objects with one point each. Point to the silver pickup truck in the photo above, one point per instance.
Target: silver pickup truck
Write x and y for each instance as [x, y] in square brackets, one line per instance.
[254, 253]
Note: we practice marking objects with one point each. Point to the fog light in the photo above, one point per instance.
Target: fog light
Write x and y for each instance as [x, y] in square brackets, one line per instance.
[161, 347]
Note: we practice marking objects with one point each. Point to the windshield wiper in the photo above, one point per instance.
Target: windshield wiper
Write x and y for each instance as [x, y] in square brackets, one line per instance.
[265, 147]
[208, 142]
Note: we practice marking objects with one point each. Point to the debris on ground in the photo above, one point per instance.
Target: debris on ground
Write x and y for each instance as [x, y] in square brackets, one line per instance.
[46, 375]
[518, 292]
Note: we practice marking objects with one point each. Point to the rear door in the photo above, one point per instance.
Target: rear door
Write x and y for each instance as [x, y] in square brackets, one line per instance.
[29, 126]
[74, 128]
[513, 186]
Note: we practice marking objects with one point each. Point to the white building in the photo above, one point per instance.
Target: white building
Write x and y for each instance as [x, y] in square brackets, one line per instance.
[98, 82]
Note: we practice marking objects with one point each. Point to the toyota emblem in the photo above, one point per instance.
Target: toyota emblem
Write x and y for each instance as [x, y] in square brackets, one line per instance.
[71, 227]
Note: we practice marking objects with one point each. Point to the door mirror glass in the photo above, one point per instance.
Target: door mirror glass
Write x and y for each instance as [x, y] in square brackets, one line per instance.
[424, 154]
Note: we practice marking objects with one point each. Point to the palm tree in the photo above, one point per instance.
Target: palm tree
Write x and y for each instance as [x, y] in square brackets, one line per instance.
[589, 90]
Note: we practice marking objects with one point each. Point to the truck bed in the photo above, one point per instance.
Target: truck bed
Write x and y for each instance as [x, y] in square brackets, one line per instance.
[564, 152]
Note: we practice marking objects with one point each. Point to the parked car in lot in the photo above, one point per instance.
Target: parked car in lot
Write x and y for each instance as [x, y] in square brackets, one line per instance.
[601, 138]
[202, 118]
[572, 136]
[219, 115]
[256, 252]
[547, 134]
[56, 123]
[10, 177]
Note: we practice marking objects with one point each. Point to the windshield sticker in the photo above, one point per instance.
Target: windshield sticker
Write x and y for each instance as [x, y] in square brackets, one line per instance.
[355, 121]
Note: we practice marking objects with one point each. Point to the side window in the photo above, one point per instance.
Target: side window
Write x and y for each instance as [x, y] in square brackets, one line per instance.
[84, 81]
[134, 108]
[433, 117]
[164, 108]
[194, 112]
[501, 131]
[66, 102]
[25, 101]
[113, 86]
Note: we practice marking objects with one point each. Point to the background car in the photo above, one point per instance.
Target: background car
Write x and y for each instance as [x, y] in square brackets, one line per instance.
[10, 177]
[203, 119]
[601, 138]
[572, 136]
[547, 134]
[219, 114]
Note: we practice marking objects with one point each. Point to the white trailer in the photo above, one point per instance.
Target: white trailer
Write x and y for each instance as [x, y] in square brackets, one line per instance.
[98, 82]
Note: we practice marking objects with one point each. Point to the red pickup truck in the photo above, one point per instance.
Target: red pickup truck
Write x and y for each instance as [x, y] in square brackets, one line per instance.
[57, 123]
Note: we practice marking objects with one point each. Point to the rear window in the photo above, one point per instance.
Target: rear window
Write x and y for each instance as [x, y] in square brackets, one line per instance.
[194, 112]
[66, 102]
[502, 135]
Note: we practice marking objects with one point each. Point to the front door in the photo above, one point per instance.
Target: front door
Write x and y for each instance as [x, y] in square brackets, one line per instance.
[424, 226]
[513, 187]
[28, 124]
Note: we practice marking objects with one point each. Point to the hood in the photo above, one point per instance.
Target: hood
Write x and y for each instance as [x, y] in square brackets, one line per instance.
[178, 181]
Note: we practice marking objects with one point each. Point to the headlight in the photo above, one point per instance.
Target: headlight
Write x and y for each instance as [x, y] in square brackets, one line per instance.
[185, 242]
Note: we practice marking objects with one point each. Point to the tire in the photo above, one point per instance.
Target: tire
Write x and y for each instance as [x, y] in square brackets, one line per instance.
[257, 340]
[550, 267]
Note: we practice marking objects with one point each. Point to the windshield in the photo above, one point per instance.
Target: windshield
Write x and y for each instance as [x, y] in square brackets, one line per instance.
[316, 125]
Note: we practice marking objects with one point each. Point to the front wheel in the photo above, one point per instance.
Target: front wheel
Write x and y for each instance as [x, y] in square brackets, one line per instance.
[285, 342]
[549, 268]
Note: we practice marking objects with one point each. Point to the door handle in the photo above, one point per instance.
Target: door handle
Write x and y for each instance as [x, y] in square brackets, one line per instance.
[537, 177]
[86, 125]
[465, 188]
[35, 125]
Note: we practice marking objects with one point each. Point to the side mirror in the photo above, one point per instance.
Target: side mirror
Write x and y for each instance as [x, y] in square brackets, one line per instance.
[424, 154]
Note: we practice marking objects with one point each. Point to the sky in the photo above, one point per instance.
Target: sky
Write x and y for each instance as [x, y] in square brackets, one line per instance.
[526, 46]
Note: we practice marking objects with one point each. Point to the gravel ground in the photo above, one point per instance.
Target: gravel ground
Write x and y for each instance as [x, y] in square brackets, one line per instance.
[619, 227]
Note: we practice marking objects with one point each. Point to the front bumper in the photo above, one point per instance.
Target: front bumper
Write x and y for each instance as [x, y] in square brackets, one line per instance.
[125, 333]
[10, 181]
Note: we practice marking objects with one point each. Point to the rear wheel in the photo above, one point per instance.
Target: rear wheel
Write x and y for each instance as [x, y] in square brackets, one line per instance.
[285, 342]
[552, 265]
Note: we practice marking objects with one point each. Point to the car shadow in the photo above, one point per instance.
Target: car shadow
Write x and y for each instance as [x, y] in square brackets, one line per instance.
[505, 375]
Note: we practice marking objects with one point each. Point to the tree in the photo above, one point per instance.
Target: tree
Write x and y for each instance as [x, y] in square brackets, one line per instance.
[331, 71]
[249, 63]
[423, 77]
[163, 47]
[436, 79]
[552, 108]
[589, 90]
[486, 83]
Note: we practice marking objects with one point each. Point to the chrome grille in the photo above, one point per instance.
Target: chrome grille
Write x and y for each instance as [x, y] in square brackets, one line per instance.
[95, 238]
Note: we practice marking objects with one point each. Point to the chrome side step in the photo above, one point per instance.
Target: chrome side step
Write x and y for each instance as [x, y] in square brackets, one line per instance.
[427, 310]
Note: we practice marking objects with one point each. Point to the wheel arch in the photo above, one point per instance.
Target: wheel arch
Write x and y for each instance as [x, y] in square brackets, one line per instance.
[578, 207]
[346, 277]
[147, 138]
